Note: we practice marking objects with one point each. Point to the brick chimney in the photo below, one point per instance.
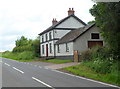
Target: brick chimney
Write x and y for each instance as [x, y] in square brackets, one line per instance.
[71, 11]
[54, 21]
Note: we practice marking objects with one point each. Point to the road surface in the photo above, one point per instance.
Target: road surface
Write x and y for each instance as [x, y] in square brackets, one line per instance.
[24, 74]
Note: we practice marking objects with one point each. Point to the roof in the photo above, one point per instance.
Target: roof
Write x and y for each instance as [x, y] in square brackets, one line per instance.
[53, 26]
[74, 34]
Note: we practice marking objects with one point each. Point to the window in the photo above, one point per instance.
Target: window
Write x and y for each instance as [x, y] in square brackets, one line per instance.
[67, 48]
[50, 48]
[58, 48]
[46, 37]
[95, 36]
[42, 38]
[50, 36]
[42, 49]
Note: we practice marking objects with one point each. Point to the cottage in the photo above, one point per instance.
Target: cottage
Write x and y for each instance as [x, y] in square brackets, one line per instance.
[68, 35]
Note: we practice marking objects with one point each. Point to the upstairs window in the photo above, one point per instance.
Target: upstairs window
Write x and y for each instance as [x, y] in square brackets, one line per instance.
[50, 36]
[95, 36]
[67, 48]
[50, 48]
[58, 48]
[42, 38]
[46, 37]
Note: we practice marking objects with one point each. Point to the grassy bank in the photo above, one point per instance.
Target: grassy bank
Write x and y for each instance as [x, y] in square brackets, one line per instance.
[28, 56]
[57, 61]
[84, 71]
[99, 63]
[23, 56]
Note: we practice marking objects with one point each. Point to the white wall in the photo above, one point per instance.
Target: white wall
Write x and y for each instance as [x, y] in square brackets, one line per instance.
[49, 54]
[62, 48]
[52, 43]
[44, 35]
[81, 44]
[70, 23]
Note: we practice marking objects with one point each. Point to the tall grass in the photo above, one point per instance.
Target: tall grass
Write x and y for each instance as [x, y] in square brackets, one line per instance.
[26, 55]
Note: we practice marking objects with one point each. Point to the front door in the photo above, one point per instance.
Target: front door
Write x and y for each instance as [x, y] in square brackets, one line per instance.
[46, 50]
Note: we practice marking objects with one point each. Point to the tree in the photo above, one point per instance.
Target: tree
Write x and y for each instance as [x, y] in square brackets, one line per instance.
[22, 41]
[23, 44]
[36, 46]
[107, 17]
[91, 22]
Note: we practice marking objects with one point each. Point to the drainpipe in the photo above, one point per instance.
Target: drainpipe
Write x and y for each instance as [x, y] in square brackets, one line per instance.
[54, 44]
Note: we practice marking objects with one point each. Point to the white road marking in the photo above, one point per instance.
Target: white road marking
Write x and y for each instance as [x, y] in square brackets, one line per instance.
[40, 67]
[86, 79]
[35, 65]
[42, 82]
[7, 64]
[46, 68]
[1, 61]
[18, 70]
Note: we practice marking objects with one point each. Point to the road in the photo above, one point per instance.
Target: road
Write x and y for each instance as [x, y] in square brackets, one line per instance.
[24, 74]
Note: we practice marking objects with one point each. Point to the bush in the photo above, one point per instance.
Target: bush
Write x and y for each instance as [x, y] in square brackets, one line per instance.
[26, 55]
[102, 60]
[86, 55]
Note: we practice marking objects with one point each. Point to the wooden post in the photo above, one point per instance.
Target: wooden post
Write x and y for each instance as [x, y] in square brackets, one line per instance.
[76, 58]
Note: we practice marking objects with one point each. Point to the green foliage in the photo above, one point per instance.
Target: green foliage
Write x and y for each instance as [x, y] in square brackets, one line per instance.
[57, 61]
[25, 49]
[91, 22]
[86, 55]
[102, 60]
[84, 70]
[107, 17]
[26, 55]
[25, 45]
[22, 56]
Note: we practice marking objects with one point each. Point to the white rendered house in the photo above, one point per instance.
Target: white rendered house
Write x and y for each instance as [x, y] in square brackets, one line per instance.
[55, 32]
[68, 35]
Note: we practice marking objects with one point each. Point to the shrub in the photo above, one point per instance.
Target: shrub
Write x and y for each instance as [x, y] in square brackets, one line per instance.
[86, 55]
[26, 55]
[102, 60]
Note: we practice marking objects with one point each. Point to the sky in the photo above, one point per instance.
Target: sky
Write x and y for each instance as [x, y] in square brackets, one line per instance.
[30, 17]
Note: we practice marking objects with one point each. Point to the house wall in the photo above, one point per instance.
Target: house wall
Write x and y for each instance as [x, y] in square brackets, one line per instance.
[70, 23]
[49, 54]
[45, 36]
[81, 44]
[47, 42]
[63, 54]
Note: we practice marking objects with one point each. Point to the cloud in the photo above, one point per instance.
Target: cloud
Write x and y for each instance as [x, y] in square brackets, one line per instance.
[30, 17]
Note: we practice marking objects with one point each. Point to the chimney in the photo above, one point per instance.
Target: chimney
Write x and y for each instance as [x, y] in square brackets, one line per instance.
[54, 21]
[71, 11]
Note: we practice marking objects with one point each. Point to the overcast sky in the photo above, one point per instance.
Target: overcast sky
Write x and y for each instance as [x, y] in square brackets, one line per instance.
[30, 17]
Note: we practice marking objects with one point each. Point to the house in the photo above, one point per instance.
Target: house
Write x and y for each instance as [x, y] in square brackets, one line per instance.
[67, 35]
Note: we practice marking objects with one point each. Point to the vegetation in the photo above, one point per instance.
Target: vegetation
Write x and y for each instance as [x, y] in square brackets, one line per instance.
[24, 50]
[57, 61]
[85, 71]
[107, 17]
[102, 66]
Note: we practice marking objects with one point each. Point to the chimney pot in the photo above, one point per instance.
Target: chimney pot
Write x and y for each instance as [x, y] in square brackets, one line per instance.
[71, 11]
[54, 21]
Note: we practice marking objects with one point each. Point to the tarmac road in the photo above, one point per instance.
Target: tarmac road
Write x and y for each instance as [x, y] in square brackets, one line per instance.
[25, 74]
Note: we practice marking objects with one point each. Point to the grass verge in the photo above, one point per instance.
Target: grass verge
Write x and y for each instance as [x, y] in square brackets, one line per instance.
[57, 61]
[84, 71]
